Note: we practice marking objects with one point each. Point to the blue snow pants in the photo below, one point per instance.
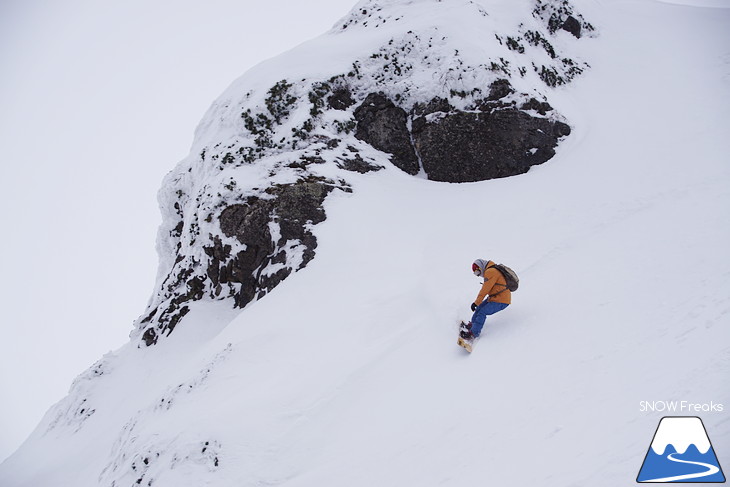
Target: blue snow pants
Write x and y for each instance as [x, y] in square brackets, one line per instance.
[480, 315]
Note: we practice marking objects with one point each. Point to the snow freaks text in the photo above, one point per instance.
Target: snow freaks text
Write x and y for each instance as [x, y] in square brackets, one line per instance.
[680, 407]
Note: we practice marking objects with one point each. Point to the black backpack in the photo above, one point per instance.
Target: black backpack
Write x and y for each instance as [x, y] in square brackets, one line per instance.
[510, 276]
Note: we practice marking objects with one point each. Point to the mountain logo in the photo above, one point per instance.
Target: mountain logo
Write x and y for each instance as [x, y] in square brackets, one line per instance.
[680, 452]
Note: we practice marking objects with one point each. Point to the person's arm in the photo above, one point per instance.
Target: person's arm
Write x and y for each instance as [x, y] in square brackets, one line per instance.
[486, 289]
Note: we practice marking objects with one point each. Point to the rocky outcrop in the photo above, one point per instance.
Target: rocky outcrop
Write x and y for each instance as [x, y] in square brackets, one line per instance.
[572, 25]
[340, 99]
[383, 125]
[495, 139]
[262, 265]
[561, 15]
[273, 238]
[239, 213]
[461, 147]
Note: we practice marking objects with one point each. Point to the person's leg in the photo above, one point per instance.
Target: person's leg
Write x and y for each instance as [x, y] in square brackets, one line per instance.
[480, 315]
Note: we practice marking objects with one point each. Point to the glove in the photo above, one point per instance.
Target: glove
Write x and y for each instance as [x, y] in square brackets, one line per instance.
[473, 306]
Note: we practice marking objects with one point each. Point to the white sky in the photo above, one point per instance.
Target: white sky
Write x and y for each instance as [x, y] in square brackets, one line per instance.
[98, 101]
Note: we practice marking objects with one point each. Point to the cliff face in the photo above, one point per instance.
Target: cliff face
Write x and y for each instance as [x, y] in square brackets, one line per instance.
[441, 89]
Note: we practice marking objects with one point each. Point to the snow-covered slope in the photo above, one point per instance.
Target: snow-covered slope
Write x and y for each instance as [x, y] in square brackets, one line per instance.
[422, 80]
[347, 373]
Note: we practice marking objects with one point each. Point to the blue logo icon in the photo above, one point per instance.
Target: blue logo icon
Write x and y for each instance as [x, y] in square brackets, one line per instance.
[681, 452]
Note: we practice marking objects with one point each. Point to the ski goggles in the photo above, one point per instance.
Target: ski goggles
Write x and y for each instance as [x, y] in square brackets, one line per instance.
[476, 270]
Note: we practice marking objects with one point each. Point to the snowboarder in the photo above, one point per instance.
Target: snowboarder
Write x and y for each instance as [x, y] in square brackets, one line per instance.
[497, 295]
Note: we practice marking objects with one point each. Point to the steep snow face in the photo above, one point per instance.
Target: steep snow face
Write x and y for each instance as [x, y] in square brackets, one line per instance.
[349, 373]
[453, 82]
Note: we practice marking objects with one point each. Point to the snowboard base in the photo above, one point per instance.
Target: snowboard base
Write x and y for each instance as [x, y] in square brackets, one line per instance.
[465, 344]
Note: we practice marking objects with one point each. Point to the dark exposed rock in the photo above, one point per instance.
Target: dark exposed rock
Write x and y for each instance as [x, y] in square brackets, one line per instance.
[494, 140]
[301, 202]
[358, 164]
[468, 146]
[312, 160]
[383, 125]
[434, 106]
[168, 319]
[341, 99]
[541, 107]
[250, 224]
[246, 222]
[177, 231]
[273, 229]
[196, 289]
[293, 207]
[499, 89]
[572, 25]
[149, 337]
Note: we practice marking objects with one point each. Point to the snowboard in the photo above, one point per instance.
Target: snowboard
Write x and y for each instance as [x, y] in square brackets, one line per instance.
[467, 345]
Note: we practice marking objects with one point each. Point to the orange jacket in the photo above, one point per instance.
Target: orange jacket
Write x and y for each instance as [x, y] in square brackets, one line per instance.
[494, 287]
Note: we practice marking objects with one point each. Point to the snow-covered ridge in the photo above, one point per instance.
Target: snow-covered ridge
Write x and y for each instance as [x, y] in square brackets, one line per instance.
[290, 128]
[422, 49]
